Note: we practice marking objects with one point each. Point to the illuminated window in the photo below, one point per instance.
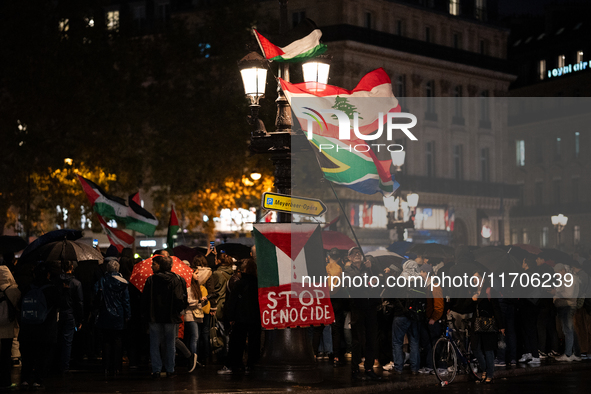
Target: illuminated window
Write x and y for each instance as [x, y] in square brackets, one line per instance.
[454, 7]
[579, 56]
[64, 25]
[514, 237]
[520, 150]
[544, 237]
[561, 61]
[112, 18]
[542, 69]
[576, 235]
[480, 10]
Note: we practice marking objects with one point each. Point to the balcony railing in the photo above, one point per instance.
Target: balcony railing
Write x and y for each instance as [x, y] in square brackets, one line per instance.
[453, 186]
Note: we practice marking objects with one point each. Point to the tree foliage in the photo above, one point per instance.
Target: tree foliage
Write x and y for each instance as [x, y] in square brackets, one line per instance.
[163, 109]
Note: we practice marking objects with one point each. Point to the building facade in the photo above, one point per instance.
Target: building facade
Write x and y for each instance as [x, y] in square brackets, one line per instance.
[448, 66]
[548, 130]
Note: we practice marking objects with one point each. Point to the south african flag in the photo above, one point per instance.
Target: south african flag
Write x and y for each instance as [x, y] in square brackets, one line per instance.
[354, 162]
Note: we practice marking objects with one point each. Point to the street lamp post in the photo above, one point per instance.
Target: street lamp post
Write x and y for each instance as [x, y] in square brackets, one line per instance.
[559, 223]
[287, 353]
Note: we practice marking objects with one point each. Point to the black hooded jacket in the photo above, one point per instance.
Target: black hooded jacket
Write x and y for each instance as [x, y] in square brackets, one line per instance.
[164, 298]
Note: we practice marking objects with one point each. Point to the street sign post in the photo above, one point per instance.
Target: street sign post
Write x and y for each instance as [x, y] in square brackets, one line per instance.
[291, 204]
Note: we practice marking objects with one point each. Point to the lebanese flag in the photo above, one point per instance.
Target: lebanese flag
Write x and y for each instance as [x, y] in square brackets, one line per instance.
[138, 218]
[107, 206]
[361, 170]
[299, 50]
[286, 254]
[173, 228]
[118, 238]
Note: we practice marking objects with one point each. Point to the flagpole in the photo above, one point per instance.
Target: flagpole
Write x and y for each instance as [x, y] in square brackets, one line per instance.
[346, 217]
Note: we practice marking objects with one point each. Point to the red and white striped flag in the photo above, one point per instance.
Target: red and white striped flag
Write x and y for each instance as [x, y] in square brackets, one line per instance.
[118, 238]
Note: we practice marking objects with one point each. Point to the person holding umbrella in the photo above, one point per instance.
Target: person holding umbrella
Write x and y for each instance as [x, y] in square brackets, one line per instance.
[164, 298]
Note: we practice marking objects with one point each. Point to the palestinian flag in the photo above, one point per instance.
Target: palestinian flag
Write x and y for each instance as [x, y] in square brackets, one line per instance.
[118, 238]
[107, 206]
[355, 163]
[286, 254]
[138, 218]
[173, 228]
[299, 50]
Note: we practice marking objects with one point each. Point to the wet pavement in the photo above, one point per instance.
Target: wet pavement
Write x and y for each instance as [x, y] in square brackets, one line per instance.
[558, 376]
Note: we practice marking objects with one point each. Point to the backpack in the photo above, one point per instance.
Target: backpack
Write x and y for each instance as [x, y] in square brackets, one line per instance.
[34, 308]
[7, 310]
[415, 304]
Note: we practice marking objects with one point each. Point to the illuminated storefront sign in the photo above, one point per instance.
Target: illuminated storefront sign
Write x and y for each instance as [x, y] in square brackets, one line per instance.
[558, 72]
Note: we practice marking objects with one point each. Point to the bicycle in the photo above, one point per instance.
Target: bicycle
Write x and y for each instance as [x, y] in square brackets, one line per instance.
[446, 354]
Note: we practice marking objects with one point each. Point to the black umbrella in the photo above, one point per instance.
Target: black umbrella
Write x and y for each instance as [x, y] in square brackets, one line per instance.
[557, 256]
[497, 260]
[432, 251]
[10, 243]
[238, 251]
[52, 236]
[386, 258]
[62, 250]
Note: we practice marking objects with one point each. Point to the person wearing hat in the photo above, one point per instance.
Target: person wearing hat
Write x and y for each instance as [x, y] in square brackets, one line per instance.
[364, 318]
[565, 299]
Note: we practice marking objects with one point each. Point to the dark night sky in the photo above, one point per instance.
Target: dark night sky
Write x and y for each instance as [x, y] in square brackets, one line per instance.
[533, 7]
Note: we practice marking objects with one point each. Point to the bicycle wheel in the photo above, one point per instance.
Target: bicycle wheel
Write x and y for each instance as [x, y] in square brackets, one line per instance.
[445, 361]
[472, 369]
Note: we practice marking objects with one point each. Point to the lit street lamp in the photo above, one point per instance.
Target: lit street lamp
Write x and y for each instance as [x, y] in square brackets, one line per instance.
[398, 159]
[287, 353]
[559, 223]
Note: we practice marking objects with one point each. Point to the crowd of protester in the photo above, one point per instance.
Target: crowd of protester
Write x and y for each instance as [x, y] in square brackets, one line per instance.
[67, 315]
[59, 316]
[391, 331]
